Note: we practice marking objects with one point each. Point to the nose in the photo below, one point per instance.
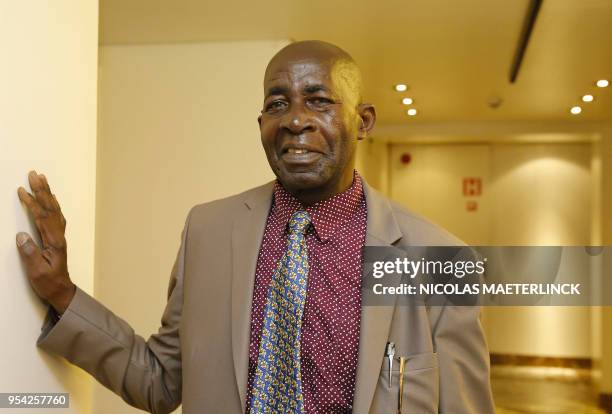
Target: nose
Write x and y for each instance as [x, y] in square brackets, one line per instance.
[298, 121]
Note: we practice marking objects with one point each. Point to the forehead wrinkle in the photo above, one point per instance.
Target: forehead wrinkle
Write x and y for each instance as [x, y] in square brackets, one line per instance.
[340, 69]
[347, 76]
[304, 74]
[300, 68]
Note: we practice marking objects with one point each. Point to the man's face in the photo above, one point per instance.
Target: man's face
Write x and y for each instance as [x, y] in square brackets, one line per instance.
[309, 124]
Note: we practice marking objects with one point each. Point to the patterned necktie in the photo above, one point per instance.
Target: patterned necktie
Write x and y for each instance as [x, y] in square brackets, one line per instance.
[277, 386]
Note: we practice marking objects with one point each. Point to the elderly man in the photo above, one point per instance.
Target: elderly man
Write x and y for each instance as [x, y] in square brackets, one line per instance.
[264, 311]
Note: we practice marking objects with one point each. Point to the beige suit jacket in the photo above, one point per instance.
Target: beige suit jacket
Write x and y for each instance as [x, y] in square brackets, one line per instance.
[199, 357]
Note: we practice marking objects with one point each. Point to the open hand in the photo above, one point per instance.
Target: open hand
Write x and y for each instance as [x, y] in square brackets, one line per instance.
[46, 267]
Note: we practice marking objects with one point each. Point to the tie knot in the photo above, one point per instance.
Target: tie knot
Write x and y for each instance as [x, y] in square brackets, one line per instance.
[298, 222]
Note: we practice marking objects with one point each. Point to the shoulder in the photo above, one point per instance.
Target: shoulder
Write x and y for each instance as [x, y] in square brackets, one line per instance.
[415, 229]
[224, 209]
[421, 231]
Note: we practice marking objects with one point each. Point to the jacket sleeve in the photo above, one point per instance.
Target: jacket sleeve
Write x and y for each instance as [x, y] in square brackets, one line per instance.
[465, 384]
[146, 374]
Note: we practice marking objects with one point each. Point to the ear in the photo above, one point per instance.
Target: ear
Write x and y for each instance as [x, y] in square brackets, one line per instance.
[367, 115]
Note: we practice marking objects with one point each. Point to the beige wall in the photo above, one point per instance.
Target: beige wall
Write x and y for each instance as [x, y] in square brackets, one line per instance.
[372, 162]
[47, 123]
[542, 197]
[178, 126]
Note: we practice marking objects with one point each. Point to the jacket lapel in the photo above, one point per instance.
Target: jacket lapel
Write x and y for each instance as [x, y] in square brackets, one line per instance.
[381, 230]
[247, 233]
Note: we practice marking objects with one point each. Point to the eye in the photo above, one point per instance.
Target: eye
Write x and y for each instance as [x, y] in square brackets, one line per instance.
[320, 102]
[276, 105]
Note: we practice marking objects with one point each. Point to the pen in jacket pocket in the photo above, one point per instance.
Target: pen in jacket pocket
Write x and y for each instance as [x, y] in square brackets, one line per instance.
[390, 354]
[400, 399]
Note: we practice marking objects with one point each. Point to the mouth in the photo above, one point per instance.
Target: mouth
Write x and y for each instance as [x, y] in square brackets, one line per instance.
[299, 155]
[297, 151]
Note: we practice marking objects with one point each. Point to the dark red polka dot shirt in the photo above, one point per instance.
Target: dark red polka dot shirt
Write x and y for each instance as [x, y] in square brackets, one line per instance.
[330, 328]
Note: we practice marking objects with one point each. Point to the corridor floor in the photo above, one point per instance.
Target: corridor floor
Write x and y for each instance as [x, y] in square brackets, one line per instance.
[536, 390]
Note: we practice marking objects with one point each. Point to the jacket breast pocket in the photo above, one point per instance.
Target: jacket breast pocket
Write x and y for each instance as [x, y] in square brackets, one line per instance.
[420, 386]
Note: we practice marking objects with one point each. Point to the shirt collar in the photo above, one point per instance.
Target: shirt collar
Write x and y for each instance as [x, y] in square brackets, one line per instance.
[327, 215]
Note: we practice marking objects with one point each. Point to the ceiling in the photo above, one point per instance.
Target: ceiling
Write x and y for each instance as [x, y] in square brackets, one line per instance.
[454, 55]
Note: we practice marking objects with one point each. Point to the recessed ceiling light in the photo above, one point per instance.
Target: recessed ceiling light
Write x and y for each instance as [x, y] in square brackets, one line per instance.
[603, 83]
[575, 110]
[400, 87]
[411, 112]
[407, 101]
[587, 98]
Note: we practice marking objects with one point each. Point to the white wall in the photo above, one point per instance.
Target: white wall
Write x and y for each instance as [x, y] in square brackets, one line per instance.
[47, 123]
[178, 126]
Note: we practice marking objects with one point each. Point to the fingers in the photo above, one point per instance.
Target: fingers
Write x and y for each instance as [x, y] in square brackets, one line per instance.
[30, 254]
[31, 203]
[55, 206]
[42, 200]
[59, 209]
[41, 190]
[44, 182]
[47, 272]
[45, 210]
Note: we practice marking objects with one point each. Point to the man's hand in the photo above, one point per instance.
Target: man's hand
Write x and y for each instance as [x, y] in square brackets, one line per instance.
[47, 268]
